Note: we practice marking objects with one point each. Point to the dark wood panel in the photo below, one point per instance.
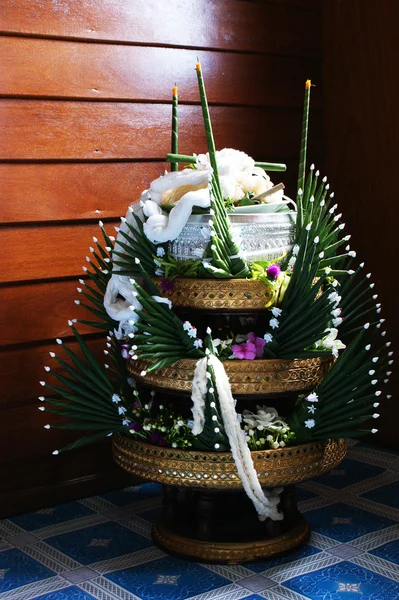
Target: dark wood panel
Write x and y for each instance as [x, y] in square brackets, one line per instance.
[34, 129]
[59, 251]
[362, 135]
[35, 483]
[21, 370]
[226, 24]
[40, 311]
[37, 67]
[55, 192]
[27, 423]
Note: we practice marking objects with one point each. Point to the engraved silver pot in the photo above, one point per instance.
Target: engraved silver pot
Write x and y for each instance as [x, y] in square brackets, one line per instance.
[262, 236]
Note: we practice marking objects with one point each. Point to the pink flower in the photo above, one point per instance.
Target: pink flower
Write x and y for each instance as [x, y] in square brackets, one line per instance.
[259, 343]
[246, 351]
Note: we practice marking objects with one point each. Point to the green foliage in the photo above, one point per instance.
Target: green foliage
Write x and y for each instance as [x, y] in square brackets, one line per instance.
[174, 268]
[160, 425]
[161, 336]
[346, 398]
[306, 308]
[213, 431]
[85, 397]
[136, 246]
[98, 273]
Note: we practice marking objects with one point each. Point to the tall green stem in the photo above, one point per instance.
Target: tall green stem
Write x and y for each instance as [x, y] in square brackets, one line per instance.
[175, 128]
[304, 139]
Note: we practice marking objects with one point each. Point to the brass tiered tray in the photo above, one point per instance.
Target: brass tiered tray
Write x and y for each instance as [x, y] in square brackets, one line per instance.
[234, 295]
[200, 488]
[246, 376]
[217, 471]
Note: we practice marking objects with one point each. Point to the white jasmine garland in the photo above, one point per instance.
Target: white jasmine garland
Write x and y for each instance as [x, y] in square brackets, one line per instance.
[274, 323]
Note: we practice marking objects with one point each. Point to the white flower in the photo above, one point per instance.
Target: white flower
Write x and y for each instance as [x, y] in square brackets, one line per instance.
[122, 410]
[292, 261]
[310, 423]
[160, 251]
[116, 398]
[311, 409]
[159, 272]
[198, 343]
[126, 422]
[157, 261]
[334, 298]
[295, 250]
[187, 326]
[329, 342]
[313, 397]
[273, 323]
[268, 337]
[336, 312]
[337, 321]
[276, 312]
[192, 333]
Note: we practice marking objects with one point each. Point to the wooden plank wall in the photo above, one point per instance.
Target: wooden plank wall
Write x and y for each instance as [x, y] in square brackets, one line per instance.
[362, 142]
[86, 88]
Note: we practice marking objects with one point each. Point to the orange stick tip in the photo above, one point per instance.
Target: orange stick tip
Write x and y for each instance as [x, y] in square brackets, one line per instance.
[308, 84]
[198, 66]
[174, 91]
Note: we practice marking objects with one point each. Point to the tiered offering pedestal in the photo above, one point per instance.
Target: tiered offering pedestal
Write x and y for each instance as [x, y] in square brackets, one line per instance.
[206, 514]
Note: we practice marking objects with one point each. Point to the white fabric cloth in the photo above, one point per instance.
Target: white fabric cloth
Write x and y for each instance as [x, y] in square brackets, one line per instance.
[161, 227]
[120, 302]
[198, 395]
[265, 503]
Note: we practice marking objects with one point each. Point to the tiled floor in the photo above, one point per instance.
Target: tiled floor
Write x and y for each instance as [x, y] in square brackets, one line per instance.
[101, 547]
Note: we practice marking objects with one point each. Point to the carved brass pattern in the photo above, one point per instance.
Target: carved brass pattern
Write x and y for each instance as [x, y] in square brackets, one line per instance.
[246, 377]
[220, 294]
[237, 552]
[217, 470]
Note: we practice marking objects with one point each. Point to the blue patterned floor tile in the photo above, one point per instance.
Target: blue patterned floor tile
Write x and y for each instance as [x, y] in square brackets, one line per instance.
[344, 581]
[344, 523]
[349, 472]
[51, 516]
[135, 493]
[97, 543]
[302, 494]
[168, 579]
[152, 516]
[70, 593]
[17, 568]
[388, 494]
[259, 567]
[389, 551]
[378, 448]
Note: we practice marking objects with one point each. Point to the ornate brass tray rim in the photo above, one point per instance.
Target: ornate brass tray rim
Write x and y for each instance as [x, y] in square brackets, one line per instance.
[217, 470]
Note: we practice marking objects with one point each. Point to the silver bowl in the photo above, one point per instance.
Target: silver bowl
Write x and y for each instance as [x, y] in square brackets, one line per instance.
[262, 237]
